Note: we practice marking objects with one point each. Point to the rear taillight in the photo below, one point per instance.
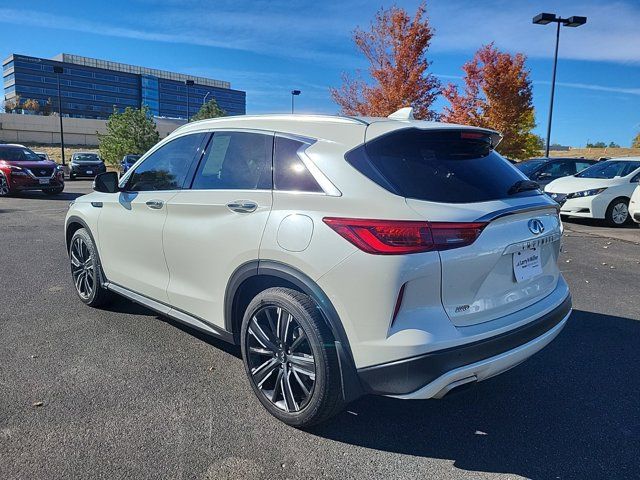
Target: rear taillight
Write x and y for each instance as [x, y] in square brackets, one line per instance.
[398, 237]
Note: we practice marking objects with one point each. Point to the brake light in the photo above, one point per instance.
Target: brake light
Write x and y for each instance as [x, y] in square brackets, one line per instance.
[398, 237]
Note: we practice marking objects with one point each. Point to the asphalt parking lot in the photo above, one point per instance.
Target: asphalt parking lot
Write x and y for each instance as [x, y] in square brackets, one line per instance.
[127, 394]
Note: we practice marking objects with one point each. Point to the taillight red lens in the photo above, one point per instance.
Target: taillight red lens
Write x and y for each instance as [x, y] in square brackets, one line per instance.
[397, 237]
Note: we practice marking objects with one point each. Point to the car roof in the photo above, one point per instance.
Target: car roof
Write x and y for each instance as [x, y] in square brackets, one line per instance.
[318, 126]
[12, 145]
[549, 159]
[85, 153]
[623, 159]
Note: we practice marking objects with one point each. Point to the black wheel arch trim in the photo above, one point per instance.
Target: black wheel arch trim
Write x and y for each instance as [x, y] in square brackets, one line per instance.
[351, 386]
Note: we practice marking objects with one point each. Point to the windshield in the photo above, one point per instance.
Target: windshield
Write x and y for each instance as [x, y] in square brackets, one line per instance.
[449, 166]
[85, 157]
[529, 166]
[609, 169]
[18, 154]
[131, 158]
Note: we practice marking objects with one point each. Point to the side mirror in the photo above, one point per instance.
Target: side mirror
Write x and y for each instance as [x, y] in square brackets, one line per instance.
[106, 182]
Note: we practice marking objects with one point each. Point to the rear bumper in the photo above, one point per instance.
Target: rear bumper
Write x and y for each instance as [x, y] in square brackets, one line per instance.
[432, 375]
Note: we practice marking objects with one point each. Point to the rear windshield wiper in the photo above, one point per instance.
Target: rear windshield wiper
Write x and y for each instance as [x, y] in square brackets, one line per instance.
[523, 186]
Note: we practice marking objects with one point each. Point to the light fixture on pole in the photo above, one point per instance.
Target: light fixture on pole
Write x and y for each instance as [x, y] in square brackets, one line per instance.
[58, 70]
[545, 19]
[294, 93]
[188, 83]
[204, 100]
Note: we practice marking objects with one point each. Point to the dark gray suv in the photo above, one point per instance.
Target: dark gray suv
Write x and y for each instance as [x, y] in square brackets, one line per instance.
[545, 170]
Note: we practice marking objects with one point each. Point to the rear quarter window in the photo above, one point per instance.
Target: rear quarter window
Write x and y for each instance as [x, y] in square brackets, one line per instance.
[452, 166]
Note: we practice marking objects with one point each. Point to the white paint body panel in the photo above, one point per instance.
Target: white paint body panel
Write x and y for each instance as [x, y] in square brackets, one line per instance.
[204, 242]
[130, 238]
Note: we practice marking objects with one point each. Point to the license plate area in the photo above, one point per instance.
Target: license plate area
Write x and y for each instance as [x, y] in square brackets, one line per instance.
[89, 172]
[43, 181]
[527, 264]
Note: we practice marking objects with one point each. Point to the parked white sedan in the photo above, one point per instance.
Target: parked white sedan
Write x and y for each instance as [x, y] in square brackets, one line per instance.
[600, 191]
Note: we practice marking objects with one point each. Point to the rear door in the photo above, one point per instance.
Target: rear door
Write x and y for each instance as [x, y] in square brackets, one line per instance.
[456, 176]
[217, 224]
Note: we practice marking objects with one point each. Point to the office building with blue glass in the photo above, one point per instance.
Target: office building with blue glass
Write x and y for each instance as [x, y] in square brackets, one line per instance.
[92, 88]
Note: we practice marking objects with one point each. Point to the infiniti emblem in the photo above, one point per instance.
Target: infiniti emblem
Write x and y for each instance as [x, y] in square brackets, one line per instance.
[536, 226]
[43, 172]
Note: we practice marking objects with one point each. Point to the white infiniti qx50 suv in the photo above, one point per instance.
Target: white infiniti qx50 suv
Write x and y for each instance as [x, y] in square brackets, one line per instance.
[346, 256]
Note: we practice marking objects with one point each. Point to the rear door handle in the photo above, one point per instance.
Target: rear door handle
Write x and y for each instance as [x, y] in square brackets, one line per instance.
[155, 204]
[242, 206]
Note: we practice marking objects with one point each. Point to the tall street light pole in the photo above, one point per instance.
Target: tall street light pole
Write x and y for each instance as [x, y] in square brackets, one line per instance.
[58, 71]
[294, 94]
[545, 19]
[204, 100]
[188, 83]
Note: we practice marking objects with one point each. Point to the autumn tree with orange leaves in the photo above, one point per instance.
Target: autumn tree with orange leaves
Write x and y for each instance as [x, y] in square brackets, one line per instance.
[395, 47]
[497, 94]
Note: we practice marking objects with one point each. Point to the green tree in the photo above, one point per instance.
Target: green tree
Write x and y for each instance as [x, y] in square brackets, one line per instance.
[596, 145]
[209, 110]
[636, 142]
[613, 145]
[534, 145]
[130, 132]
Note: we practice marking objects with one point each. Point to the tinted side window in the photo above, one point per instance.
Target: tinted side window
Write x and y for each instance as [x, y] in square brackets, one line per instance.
[582, 165]
[167, 167]
[559, 169]
[441, 166]
[236, 161]
[290, 172]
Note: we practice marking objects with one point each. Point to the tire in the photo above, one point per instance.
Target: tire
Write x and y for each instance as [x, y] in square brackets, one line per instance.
[5, 189]
[616, 211]
[302, 357]
[53, 191]
[72, 178]
[85, 267]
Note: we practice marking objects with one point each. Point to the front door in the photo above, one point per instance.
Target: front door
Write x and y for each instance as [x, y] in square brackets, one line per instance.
[131, 223]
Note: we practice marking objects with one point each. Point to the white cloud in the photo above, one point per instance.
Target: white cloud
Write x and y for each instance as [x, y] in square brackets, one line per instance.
[611, 33]
[588, 86]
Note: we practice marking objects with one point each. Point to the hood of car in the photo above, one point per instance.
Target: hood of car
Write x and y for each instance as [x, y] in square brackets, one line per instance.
[578, 184]
[30, 165]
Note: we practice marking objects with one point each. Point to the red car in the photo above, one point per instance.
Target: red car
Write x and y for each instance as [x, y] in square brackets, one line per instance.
[21, 169]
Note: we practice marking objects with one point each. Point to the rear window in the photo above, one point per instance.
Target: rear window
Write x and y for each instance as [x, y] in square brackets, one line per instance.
[450, 166]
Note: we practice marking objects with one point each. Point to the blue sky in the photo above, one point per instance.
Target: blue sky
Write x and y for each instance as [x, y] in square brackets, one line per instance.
[269, 47]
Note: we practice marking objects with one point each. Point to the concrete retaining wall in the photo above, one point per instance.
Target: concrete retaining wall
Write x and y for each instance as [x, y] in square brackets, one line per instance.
[45, 130]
